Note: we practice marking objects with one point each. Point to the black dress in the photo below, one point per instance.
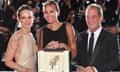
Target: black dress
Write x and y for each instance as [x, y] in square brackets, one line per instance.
[58, 35]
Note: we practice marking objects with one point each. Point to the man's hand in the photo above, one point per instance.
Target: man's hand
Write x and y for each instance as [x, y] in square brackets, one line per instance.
[89, 69]
[85, 69]
[81, 69]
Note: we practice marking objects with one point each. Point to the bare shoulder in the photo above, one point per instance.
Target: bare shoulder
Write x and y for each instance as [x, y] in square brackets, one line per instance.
[16, 36]
[70, 29]
[69, 26]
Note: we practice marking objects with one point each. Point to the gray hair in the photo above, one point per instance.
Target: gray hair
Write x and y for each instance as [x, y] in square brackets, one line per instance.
[94, 5]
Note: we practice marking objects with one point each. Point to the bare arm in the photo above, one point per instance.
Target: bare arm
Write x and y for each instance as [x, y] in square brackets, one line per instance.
[39, 39]
[10, 55]
[71, 39]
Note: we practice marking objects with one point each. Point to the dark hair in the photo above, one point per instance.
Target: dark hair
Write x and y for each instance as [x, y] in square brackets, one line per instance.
[51, 2]
[23, 7]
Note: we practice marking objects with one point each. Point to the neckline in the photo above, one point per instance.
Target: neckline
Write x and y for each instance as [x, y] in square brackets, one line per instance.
[61, 24]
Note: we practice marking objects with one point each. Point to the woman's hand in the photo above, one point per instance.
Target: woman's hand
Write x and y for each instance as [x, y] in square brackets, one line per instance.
[52, 45]
[24, 69]
[55, 44]
[63, 45]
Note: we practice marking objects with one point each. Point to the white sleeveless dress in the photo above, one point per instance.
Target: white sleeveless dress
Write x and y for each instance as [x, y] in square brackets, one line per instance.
[27, 56]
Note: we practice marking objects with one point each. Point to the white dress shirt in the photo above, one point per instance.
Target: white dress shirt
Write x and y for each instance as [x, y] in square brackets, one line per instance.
[96, 35]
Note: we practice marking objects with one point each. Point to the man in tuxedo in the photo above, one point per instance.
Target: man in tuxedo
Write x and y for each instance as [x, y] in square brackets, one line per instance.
[104, 51]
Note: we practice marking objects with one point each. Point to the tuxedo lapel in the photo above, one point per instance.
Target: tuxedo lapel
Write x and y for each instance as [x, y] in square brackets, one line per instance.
[83, 47]
[85, 41]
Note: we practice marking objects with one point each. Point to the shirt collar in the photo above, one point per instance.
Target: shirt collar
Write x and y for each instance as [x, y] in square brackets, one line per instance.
[97, 32]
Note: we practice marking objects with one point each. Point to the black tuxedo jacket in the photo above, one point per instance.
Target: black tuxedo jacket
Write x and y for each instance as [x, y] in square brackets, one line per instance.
[105, 56]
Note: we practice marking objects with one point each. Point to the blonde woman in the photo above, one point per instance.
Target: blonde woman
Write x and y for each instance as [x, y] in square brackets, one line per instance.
[56, 34]
[21, 46]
